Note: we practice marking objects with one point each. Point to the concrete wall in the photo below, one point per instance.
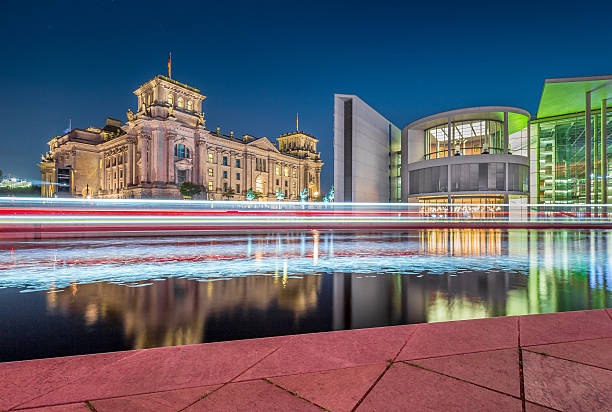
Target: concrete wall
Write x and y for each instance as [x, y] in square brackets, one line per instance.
[361, 151]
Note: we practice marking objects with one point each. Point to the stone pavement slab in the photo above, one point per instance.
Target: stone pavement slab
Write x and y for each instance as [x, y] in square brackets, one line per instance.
[464, 336]
[255, 395]
[566, 385]
[168, 401]
[336, 390]
[498, 370]
[23, 381]
[534, 407]
[70, 407]
[163, 369]
[332, 350]
[564, 327]
[409, 388]
[594, 352]
[463, 365]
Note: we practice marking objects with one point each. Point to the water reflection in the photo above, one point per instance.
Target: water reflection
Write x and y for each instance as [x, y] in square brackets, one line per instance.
[138, 293]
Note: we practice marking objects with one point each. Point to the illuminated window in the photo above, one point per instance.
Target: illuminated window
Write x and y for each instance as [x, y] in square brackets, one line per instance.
[181, 102]
[286, 172]
[277, 170]
[294, 173]
[211, 173]
[210, 185]
[171, 99]
[211, 157]
[189, 105]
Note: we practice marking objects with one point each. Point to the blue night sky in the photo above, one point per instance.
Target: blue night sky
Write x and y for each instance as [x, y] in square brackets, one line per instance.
[261, 62]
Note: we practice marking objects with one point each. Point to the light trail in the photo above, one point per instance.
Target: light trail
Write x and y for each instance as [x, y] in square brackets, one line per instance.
[36, 218]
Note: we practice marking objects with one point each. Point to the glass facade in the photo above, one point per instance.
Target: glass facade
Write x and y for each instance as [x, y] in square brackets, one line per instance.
[559, 148]
[469, 138]
[395, 164]
[470, 177]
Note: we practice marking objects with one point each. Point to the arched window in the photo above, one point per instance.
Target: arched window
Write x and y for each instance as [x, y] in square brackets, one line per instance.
[171, 99]
[181, 102]
[180, 150]
[189, 105]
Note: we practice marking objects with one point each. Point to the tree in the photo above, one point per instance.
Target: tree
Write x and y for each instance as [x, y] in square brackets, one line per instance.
[253, 195]
[189, 189]
[304, 195]
[229, 193]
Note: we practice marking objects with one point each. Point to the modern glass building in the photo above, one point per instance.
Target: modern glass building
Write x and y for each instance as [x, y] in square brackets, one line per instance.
[488, 154]
[571, 142]
[471, 155]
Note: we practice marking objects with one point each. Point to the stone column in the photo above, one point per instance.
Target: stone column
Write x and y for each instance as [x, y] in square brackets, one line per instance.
[129, 166]
[168, 149]
[133, 162]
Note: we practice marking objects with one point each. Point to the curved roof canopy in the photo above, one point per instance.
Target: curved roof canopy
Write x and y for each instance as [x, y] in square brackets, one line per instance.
[568, 95]
[517, 117]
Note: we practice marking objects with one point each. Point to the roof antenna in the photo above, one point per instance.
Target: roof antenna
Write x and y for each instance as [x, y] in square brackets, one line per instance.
[297, 122]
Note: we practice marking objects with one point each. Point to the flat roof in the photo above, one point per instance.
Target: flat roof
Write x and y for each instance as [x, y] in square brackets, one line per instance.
[567, 95]
[517, 117]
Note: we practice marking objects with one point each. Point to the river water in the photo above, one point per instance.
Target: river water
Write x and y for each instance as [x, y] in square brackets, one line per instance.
[62, 298]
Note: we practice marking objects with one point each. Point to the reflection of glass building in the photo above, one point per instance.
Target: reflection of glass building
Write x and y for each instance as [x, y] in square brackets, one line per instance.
[569, 149]
[491, 154]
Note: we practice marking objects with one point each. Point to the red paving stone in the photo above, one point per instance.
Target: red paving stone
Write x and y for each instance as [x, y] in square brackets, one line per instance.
[252, 396]
[160, 401]
[566, 385]
[163, 369]
[564, 327]
[497, 370]
[409, 388]
[71, 407]
[332, 350]
[471, 365]
[453, 338]
[336, 390]
[23, 381]
[533, 407]
[595, 352]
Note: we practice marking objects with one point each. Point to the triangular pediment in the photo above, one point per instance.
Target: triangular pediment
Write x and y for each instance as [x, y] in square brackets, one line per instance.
[263, 143]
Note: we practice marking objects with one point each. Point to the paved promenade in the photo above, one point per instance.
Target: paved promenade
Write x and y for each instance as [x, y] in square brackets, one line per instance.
[560, 361]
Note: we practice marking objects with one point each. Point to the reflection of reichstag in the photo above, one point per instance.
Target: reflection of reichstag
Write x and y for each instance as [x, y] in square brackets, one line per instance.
[183, 311]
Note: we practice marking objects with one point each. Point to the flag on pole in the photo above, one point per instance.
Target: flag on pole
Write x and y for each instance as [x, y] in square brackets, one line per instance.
[170, 66]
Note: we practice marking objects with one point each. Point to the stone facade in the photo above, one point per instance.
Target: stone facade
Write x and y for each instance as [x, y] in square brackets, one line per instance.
[166, 143]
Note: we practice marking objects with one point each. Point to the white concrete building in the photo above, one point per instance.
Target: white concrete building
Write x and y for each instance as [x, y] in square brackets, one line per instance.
[470, 155]
[366, 153]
